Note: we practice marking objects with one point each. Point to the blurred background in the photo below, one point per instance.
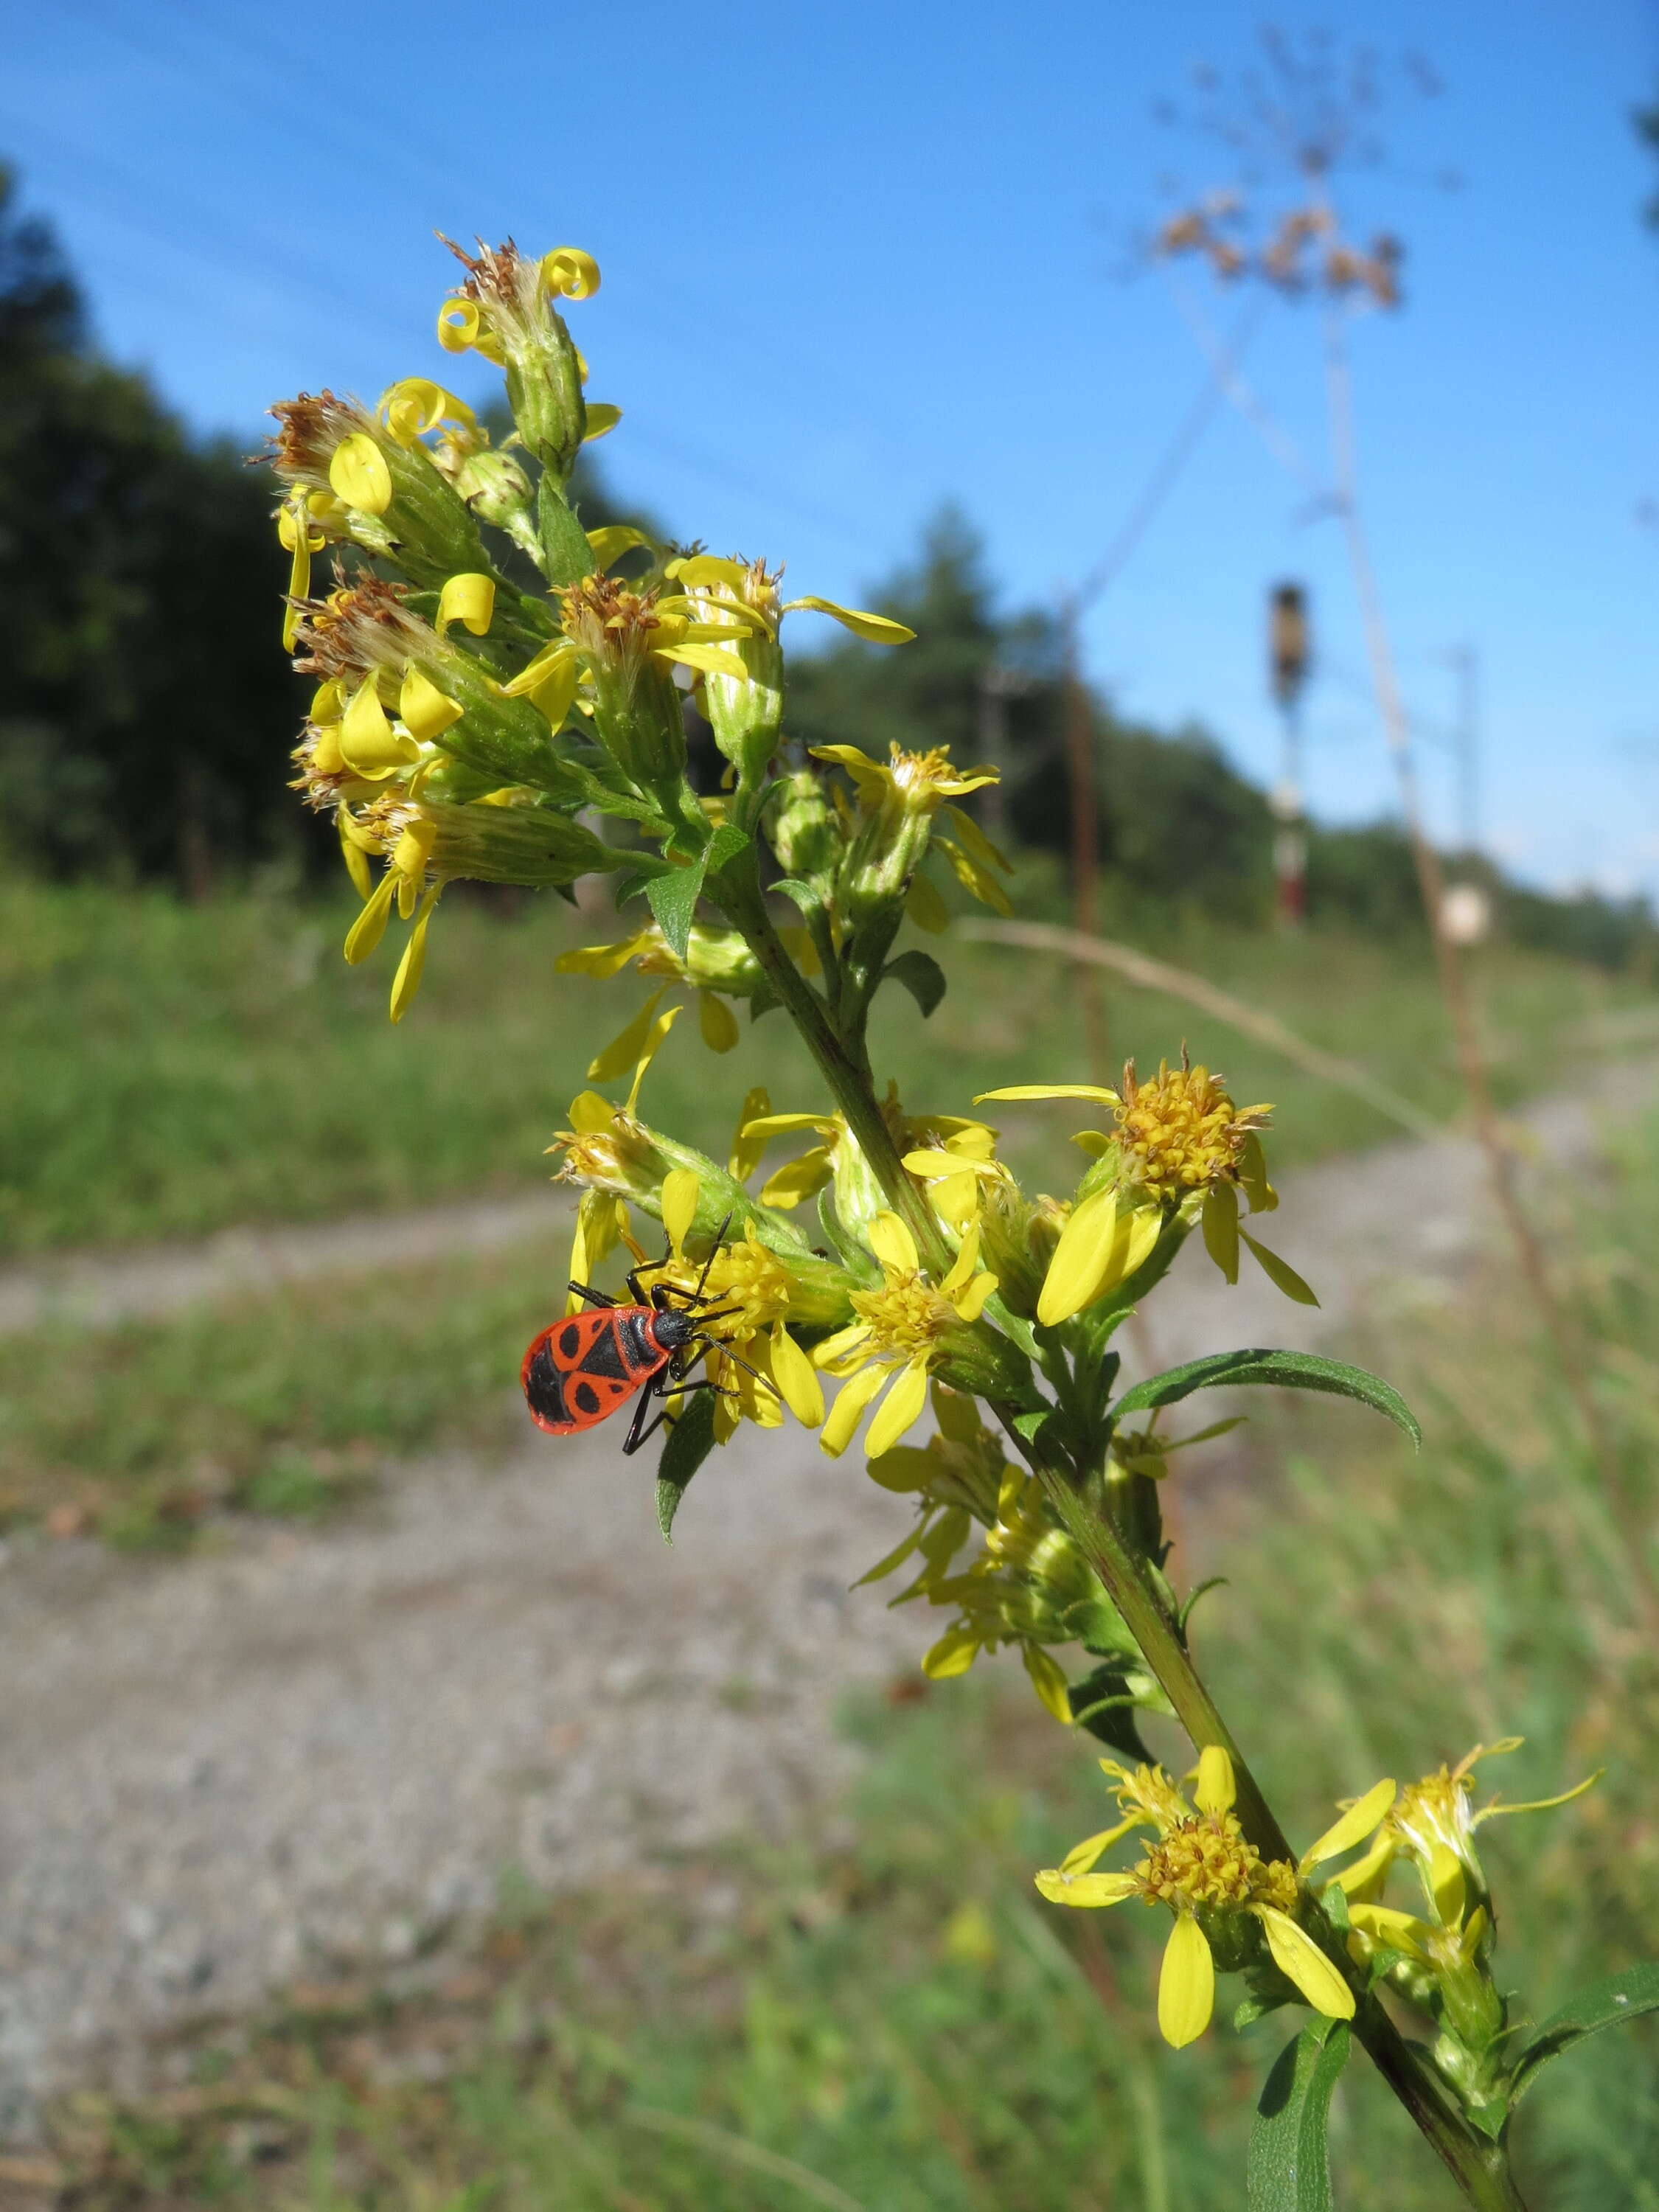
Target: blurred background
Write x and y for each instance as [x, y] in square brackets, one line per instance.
[388, 1818]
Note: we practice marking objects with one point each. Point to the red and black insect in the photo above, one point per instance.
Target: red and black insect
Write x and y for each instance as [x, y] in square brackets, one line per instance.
[584, 1366]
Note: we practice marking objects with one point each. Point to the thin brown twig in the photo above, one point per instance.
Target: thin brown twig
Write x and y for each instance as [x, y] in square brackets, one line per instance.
[1558, 1324]
[1150, 975]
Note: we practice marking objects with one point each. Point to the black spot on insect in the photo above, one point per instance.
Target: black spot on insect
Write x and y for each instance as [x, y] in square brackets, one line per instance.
[544, 1387]
[587, 1398]
[604, 1359]
[570, 1342]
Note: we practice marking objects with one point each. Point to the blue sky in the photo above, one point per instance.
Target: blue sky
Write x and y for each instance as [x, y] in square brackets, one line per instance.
[860, 259]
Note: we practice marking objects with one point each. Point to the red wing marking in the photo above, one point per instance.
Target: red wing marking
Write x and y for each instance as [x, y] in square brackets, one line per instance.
[578, 1370]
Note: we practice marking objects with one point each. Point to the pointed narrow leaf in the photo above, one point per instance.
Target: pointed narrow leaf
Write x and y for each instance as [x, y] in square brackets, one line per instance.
[1289, 2166]
[1622, 1996]
[1280, 1371]
[689, 1443]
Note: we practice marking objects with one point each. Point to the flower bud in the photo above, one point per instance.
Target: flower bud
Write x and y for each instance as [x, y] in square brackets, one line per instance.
[497, 490]
[636, 706]
[515, 842]
[386, 496]
[505, 311]
[805, 831]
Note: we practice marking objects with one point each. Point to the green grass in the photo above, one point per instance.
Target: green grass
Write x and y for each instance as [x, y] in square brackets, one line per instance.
[883, 2014]
[165, 1071]
[288, 1404]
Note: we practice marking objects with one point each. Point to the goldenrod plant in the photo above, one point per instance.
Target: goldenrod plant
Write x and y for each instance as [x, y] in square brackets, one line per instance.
[474, 720]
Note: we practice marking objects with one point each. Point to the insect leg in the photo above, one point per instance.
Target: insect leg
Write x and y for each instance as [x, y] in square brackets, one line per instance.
[594, 1297]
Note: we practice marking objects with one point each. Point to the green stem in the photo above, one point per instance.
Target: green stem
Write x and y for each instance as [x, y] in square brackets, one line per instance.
[1480, 2168]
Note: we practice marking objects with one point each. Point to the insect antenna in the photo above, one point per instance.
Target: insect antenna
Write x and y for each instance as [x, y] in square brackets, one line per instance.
[718, 1344]
[720, 1239]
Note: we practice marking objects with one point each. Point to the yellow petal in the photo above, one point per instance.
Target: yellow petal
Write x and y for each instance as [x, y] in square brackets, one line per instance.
[847, 1344]
[600, 1220]
[764, 1127]
[1400, 1931]
[957, 1415]
[1216, 1786]
[601, 961]
[412, 851]
[589, 1113]
[548, 681]
[1444, 1876]
[976, 841]
[1081, 1858]
[1105, 1250]
[1220, 1219]
[369, 927]
[1186, 1985]
[698, 571]
[900, 1409]
[1094, 1091]
[893, 1245]
[611, 542]
[717, 1022]
[969, 1303]
[1048, 1681]
[1086, 1889]
[1300, 1960]
[570, 272]
[798, 1179]
[978, 882]
[460, 324]
[415, 404]
[358, 472]
[368, 743]
[1279, 1272]
[599, 418]
[1539, 1804]
[713, 660]
[953, 1655]
[356, 860]
[963, 1265]
[426, 711]
[796, 1377]
[468, 598]
[878, 628]
[847, 1411]
[681, 1188]
[407, 981]
[624, 1049]
[1077, 1272]
[648, 1051]
[925, 907]
[1355, 1825]
[746, 1154]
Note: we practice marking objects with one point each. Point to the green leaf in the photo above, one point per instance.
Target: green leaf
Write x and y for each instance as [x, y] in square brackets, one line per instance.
[1104, 1704]
[1289, 2167]
[1280, 1371]
[673, 900]
[803, 895]
[1623, 1996]
[921, 976]
[689, 1443]
[727, 844]
[1016, 1329]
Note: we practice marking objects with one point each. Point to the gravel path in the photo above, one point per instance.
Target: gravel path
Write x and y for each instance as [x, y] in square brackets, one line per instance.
[219, 1772]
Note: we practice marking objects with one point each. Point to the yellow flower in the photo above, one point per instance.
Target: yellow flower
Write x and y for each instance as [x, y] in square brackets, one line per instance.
[1202, 1869]
[902, 1328]
[918, 783]
[1432, 1824]
[1180, 1150]
[746, 1276]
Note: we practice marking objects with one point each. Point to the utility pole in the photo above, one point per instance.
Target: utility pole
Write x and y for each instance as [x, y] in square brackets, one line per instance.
[1289, 656]
[997, 686]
